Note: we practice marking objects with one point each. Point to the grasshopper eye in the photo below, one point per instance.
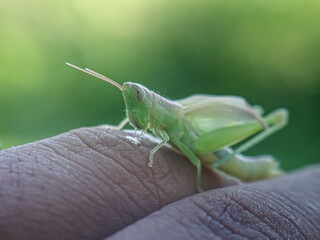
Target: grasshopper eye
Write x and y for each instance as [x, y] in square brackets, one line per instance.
[138, 92]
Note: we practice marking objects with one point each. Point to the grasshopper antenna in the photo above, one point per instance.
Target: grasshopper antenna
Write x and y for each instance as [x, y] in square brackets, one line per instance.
[97, 75]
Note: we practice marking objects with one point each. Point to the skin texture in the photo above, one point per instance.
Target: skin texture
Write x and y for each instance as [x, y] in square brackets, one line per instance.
[94, 183]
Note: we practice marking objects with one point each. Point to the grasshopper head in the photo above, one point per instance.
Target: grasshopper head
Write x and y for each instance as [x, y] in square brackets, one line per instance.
[138, 101]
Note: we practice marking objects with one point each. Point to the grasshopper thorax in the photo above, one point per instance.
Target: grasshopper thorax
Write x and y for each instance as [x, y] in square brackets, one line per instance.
[138, 101]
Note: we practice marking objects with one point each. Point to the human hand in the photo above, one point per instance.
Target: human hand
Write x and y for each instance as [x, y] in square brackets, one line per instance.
[94, 183]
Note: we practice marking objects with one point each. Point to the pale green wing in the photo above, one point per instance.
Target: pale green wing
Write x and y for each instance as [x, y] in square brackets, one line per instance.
[209, 112]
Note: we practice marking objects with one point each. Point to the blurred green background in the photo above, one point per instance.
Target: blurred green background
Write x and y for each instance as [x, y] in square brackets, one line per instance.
[265, 51]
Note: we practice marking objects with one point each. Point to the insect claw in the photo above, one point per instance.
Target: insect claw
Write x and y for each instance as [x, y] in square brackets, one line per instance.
[150, 163]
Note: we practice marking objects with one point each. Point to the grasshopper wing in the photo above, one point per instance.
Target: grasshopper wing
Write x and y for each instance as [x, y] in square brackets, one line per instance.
[209, 112]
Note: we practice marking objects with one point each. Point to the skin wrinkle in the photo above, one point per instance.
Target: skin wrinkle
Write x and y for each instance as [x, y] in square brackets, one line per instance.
[62, 182]
[113, 183]
[37, 164]
[185, 225]
[18, 173]
[286, 196]
[132, 149]
[207, 212]
[257, 217]
[114, 209]
[136, 177]
[155, 197]
[78, 164]
[212, 218]
[58, 218]
[15, 172]
[52, 149]
[124, 192]
[66, 198]
[52, 155]
[79, 208]
[297, 228]
[105, 154]
[93, 172]
[40, 210]
[106, 138]
[280, 194]
[109, 203]
[228, 215]
[205, 224]
[224, 210]
[25, 169]
[309, 224]
[285, 216]
[301, 213]
[167, 173]
[148, 151]
[246, 191]
[159, 189]
[313, 225]
[89, 197]
[119, 215]
[34, 159]
[70, 147]
[219, 220]
[263, 203]
[33, 147]
[58, 163]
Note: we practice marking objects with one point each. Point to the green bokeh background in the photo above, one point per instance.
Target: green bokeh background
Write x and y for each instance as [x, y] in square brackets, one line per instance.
[265, 51]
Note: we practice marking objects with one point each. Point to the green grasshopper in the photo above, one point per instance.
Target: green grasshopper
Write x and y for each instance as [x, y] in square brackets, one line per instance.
[203, 127]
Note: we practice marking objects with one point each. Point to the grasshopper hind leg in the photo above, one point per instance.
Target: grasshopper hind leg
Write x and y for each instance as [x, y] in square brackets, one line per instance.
[275, 120]
[247, 168]
[193, 159]
[184, 149]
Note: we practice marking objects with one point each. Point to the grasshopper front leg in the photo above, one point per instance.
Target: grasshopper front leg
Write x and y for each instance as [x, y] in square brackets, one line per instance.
[165, 138]
[122, 124]
[117, 127]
